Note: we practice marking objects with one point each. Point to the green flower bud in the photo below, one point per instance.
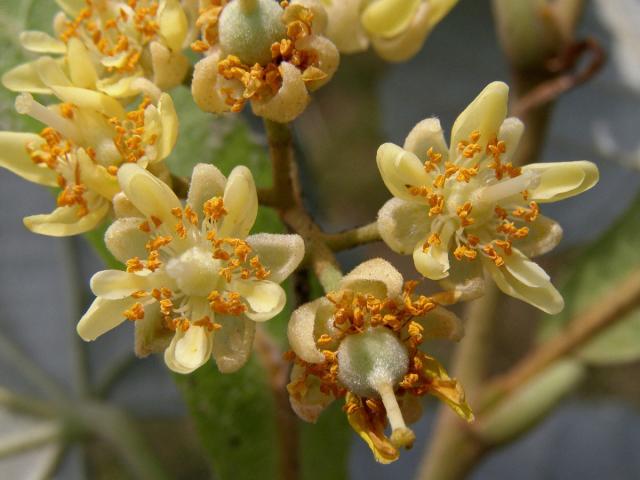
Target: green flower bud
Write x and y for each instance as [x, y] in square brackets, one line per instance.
[248, 28]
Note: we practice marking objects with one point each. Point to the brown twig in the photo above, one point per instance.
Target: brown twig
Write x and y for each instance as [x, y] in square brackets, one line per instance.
[353, 237]
[270, 356]
[567, 79]
[602, 314]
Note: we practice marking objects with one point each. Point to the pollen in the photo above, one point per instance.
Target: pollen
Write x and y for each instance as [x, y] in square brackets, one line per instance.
[136, 312]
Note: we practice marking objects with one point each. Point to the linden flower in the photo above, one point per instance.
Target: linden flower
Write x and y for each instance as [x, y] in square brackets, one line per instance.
[86, 139]
[260, 51]
[364, 343]
[463, 208]
[192, 272]
[396, 28]
[117, 47]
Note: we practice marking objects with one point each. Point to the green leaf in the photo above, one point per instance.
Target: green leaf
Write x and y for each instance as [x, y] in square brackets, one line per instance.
[594, 273]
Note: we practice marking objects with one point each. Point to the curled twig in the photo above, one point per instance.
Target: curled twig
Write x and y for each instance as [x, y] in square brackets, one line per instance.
[568, 78]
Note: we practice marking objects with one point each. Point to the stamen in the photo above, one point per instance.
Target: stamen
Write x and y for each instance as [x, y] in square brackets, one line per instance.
[26, 105]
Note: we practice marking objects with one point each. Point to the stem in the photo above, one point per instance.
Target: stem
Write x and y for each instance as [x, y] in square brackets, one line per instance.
[80, 360]
[25, 405]
[624, 298]
[287, 424]
[353, 238]
[115, 373]
[454, 450]
[31, 438]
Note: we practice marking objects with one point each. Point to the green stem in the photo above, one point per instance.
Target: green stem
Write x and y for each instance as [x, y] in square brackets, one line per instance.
[353, 238]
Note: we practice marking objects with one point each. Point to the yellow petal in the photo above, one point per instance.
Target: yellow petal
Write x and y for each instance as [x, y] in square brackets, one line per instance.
[64, 221]
[484, 114]
[206, 182]
[305, 396]
[81, 69]
[388, 18]
[90, 99]
[441, 323]
[434, 262]
[280, 254]
[400, 169]
[383, 451]
[96, 177]
[266, 299]
[301, 332]
[376, 277]
[51, 73]
[169, 122]
[232, 343]
[289, 102]
[169, 68]
[426, 135]
[102, 316]
[562, 180]
[193, 348]
[125, 240]
[25, 78]
[40, 42]
[402, 225]
[116, 284]
[445, 388]
[15, 158]
[173, 24]
[241, 202]
[148, 194]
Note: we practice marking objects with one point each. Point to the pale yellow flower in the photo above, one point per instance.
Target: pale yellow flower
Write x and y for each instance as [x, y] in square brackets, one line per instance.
[464, 208]
[364, 342]
[396, 29]
[194, 279]
[259, 52]
[118, 47]
[87, 138]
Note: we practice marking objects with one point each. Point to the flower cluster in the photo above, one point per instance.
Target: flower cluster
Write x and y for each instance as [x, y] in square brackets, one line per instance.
[261, 52]
[364, 342]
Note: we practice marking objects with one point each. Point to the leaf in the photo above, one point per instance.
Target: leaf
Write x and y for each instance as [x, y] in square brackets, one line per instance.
[614, 255]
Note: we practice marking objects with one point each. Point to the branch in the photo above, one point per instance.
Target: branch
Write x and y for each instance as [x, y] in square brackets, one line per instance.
[602, 314]
[353, 238]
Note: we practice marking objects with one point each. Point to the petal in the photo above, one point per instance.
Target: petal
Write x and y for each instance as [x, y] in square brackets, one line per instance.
[122, 207]
[425, 135]
[465, 282]
[344, 28]
[319, 20]
[562, 180]
[116, 284]
[485, 114]
[445, 388]
[232, 344]
[326, 54]
[305, 396]
[203, 86]
[90, 99]
[64, 221]
[81, 69]
[15, 158]
[102, 316]
[51, 73]
[280, 254]
[25, 78]
[125, 240]
[510, 133]
[173, 24]
[402, 225]
[526, 282]
[169, 122]
[169, 68]
[289, 102]
[389, 18]
[41, 42]
[148, 194]
[118, 86]
[434, 263]
[441, 323]
[206, 182]
[241, 203]
[189, 350]
[301, 331]
[266, 299]
[399, 169]
[376, 277]
[96, 177]
[151, 334]
[544, 235]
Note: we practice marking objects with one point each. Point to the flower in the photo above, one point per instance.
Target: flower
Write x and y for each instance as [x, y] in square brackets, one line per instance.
[364, 342]
[396, 28]
[259, 51]
[116, 47]
[194, 280]
[466, 207]
[88, 136]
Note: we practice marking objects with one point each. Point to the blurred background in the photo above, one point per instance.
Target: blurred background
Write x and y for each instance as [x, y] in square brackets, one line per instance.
[594, 434]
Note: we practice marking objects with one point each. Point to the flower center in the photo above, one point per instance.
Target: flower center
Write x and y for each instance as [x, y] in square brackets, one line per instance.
[195, 272]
